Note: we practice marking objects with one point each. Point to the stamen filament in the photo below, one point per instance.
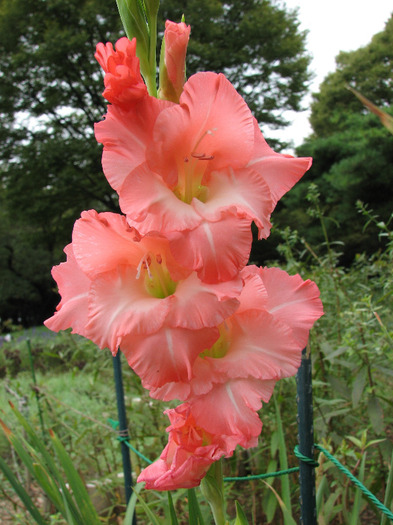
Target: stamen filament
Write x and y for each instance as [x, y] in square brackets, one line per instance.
[159, 273]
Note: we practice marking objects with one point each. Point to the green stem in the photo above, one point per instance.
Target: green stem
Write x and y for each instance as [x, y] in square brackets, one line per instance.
[212, 487]
[152, 82]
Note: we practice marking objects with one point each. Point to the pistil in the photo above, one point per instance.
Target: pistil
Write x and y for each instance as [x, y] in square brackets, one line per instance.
[191, 170]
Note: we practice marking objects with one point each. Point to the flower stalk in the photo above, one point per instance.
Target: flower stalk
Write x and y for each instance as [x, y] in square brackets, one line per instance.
[189, 166]
[212, 487]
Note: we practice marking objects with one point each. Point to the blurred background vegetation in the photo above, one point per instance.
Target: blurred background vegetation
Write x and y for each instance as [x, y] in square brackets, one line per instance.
[334, 227]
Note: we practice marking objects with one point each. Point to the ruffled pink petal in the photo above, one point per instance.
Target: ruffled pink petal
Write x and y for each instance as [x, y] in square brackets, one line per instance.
[74, 288]
[188, 455]
[231, 409]
[185, 470]
[244, 191]
[170, 391]
[119, 306]
[292, 300]
[125, 136]
[103, 52]
[102, 241]
[254, 294]
[212, 121]
[260, 346]
[151, 206]
[167, 355]
[200, 384]
[206, 249]
[202, 305]
[280, 172]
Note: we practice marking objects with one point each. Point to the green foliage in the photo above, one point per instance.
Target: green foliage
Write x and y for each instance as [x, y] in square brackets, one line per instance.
[352, 350]
[350, 165]
[369, 70]
[352, 152]
[140, 21]
[50, 97]
[63, 486]
[240, 516]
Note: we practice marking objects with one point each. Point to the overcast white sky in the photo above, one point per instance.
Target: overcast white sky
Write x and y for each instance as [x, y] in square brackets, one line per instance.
[333, 26]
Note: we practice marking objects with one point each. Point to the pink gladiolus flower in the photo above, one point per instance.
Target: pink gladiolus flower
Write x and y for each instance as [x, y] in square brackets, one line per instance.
[258, 345]
[205, 167]
[123, 81]
[118, 289]
[262, 341]
[188, 455]
[167, 283]
[191, 170]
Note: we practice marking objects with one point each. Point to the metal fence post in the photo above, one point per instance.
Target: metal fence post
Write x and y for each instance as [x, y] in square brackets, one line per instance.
[123, 429]
[308, 506]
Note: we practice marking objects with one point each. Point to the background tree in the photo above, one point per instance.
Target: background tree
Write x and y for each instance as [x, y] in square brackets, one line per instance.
[369, 70]
[352, 151]
[257, 44]
[50, 97]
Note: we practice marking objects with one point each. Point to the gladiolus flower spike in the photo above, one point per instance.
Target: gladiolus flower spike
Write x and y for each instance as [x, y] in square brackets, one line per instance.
[167, 282]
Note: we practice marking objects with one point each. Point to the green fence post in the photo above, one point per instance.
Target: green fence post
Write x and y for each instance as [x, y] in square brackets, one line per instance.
[308, 507]
[123, 429]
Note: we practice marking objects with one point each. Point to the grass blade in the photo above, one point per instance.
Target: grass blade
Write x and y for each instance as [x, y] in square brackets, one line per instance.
[241, 518]
[385, 118]
[78, 488]
[46, 461]
[148, 512]
[358, 494]
[282, 450]
[37, 444]
[288, 519]
[132, 503]
[49, 487]
[172, 511]
[21, 492]
[195, 515]
[389, 493]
